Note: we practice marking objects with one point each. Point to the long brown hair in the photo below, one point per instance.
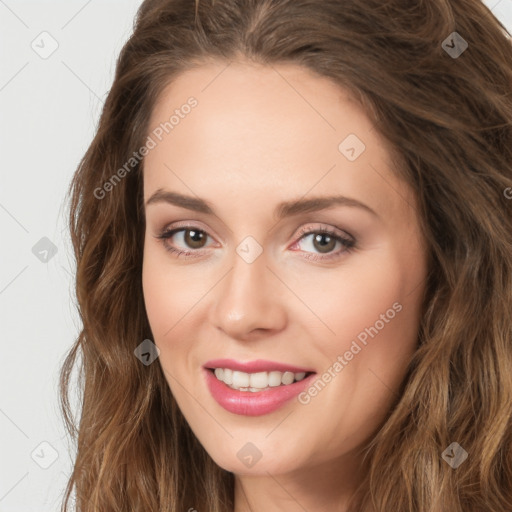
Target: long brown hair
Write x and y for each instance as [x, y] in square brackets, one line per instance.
[448, 120]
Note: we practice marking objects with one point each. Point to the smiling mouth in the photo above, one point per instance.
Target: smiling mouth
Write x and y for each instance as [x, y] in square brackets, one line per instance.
[257, 381]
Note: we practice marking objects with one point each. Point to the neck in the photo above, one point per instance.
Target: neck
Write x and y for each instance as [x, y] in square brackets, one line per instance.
[326, 486]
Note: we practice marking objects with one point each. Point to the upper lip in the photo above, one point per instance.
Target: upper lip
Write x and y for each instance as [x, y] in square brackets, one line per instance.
[258, 365]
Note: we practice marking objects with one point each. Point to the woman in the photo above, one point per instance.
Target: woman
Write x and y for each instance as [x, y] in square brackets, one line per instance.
[293, 233]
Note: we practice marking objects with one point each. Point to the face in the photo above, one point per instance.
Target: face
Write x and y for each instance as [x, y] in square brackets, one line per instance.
[278, 240]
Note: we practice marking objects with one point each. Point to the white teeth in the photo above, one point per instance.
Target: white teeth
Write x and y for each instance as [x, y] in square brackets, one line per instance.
[274, 378]
[287, 378]
[258, 381]
[228, 376]
[240, 379]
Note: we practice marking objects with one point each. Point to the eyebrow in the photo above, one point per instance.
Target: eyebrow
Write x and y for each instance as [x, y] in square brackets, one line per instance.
[282, 210]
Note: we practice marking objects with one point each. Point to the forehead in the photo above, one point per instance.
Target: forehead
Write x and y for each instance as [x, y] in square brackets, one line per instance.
[274, 101]
[255, 126]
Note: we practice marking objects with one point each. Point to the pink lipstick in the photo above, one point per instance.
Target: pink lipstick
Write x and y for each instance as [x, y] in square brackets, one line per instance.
[276, 384]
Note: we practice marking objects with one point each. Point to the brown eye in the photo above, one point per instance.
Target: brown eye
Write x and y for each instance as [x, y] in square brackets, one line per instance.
[184, 240]
[194, 238]
[324, 242]
[320, 244]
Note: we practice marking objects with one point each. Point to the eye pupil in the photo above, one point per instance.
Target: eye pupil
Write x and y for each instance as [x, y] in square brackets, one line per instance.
[193, 238]
[328, 245]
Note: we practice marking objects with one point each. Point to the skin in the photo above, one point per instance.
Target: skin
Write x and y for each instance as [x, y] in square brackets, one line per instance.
[259, 136]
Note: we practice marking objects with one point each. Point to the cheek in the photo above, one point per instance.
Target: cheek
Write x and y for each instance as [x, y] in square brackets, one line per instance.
[172, 297]
[158, 303]
[357, 297]
[170, 291]
[373, 315]
[166, 312]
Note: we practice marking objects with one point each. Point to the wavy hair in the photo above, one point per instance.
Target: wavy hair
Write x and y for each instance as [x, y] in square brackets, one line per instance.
[448, 121]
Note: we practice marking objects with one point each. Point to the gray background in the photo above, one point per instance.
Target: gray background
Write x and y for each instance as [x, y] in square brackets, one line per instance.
[49, 107]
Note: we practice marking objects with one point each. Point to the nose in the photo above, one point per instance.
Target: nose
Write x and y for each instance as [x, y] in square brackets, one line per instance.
[250, 300]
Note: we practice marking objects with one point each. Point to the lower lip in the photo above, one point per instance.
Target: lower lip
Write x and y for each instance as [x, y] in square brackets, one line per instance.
[247, 403]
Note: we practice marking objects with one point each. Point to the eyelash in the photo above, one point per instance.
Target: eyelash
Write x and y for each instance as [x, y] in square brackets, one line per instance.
[348, 243]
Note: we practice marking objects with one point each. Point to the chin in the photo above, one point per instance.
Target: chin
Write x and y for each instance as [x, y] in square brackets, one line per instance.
[264, 461]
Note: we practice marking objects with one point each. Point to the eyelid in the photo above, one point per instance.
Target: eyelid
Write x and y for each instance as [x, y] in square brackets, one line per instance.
[305, 230]
[187, 225]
